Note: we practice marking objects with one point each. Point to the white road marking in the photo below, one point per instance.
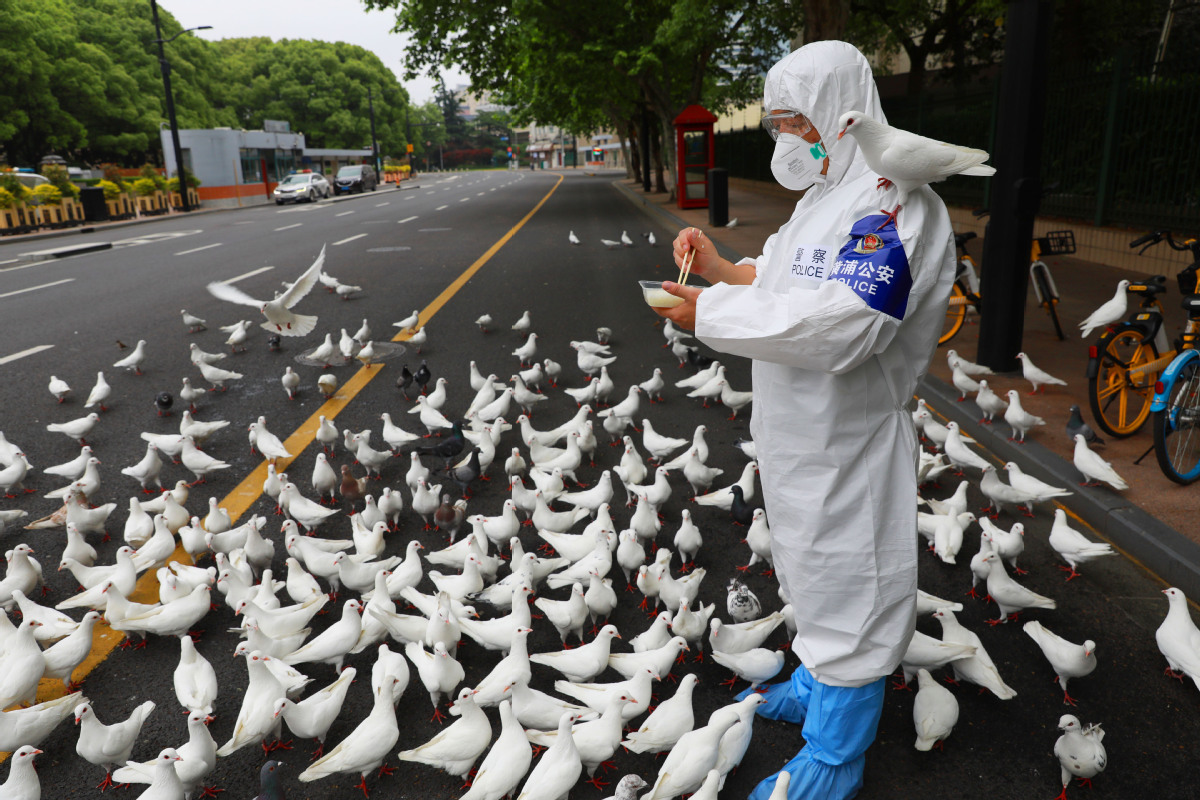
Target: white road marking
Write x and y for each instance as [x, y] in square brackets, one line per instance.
[10, 261]
[349, 239]
[24, 353]
[479, 194]
[429, 192]
[35, 288]
[344, 213]
[381, 205]
[439, 208]
[245, 222]
[288, 227]
[198, 249]
[249, 274]
[406, 219]
[464, 199]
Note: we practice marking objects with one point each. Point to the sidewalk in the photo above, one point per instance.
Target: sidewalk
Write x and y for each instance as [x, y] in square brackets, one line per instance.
[1154, 521]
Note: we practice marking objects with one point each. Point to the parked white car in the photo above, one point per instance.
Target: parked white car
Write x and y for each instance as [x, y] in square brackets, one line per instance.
[310, 186]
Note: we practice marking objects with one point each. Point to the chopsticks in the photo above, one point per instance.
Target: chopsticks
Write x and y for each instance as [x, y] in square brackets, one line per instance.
[686, 269]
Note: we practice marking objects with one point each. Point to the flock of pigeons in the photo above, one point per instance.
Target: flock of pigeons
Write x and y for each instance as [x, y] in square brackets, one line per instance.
[473, 598]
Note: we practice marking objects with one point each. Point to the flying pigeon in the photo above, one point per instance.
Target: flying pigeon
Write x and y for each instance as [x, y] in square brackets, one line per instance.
[906, 160]
[279, 317]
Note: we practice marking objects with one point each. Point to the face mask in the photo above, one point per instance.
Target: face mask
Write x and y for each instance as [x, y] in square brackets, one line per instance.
[797, 163]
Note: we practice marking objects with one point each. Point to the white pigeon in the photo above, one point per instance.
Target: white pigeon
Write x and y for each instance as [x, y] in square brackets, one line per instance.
[572, 238]
[438, 671]
[625, 240]
[312, 717]
[610, 243]
[22, 782]
[1073, 546]
[977, 668]
[957, 451]
[1079, 750]
[582, 663]
[216, 376]
[59, 388]
[1020, 420]
[279, 317]
[456, 748]
[907, 160]
[1039, 491]
[365, 748]
[1011, 597]
[671, 719]
[1178, 638]
[1069, 660]
[35, 723]
[926, 652]
[77, 428]
[194, 323]
[108, 746]
[100, 392]
[194, 679]
[1037, 377]
[506, 763]
[1095, 469]
[687, 765]
[196, 759]
[290, 382]
[989, 403]
[999, 493]
[963, 382]
[134, 360]
[409, 323]
[935, 711]
[1108, 313]
[969, 367]
[559, 767]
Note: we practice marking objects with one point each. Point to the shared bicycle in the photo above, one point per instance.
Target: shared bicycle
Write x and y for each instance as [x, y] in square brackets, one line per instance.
[1134, 372]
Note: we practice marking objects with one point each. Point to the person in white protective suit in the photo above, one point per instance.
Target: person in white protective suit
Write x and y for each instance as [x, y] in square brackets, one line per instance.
[841, 315]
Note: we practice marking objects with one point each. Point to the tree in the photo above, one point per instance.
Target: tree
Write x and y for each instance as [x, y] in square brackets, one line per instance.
[666, 54]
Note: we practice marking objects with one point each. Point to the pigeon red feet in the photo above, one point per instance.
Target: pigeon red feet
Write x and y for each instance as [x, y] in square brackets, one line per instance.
[363, 785]
[743, 568]
[891, 217]
[1071, 570]
[437, 715]
[599, 784]
[1020, 571]
[105, 784]
[210, 791]
[730, 682]
[537, 749]
[1174, 674]
[883, 184]
[1068, 700]
[384, 769]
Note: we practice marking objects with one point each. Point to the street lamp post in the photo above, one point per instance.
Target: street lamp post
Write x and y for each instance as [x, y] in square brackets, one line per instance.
[166, 76]
[374, 141]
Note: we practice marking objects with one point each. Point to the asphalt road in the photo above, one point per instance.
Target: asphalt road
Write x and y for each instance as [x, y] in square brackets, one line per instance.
[404, 248]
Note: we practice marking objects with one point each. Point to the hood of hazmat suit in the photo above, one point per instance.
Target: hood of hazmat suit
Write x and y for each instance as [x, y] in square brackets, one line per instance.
[841, 320]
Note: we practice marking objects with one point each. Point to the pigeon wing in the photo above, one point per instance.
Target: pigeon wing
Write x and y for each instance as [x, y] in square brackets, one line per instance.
[296, 292]
[232, 294]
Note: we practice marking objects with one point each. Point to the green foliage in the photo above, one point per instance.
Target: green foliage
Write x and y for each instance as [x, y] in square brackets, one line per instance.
[57, 175]
[47, 194]
[192, 180]
[10, 183]
[111, 190]
[6, 198]
[150, 173]
[144, 187]
[112, 174]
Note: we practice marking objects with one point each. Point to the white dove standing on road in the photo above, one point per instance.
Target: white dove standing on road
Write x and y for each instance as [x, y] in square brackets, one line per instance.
[969, 367]
[978, 668]
[134, 360]
[280, 318]
[935, 711]
[963, 382]
[1178, 639]
[957, 451]
[59, 388]
[1037, 377]
[1020, 420]
[22, 783]
[100, 392]
[1079, 751]
[625, 240]
[1094, 468]
[1108, 313]
[906, 160]
[989, 403]
[1073, 546]
[1069, 660]
[572, 238]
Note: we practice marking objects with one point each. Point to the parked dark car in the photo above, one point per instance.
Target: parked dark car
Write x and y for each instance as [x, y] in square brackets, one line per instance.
[357, 178]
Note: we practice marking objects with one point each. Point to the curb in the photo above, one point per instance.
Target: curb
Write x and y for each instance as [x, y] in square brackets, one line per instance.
[1158, 547]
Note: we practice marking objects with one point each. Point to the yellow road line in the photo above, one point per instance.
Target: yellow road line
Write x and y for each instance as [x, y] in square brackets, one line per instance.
[246, 493]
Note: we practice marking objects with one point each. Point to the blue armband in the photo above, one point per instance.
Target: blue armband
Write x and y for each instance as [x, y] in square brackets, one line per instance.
[875, 267]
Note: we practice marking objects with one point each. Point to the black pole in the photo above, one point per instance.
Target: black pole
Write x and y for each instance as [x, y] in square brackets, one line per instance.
[374, 141]
[1016, 189]
[645, 146]
[166, 76]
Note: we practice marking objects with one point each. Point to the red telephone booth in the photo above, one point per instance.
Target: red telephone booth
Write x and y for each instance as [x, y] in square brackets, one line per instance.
[693, 155]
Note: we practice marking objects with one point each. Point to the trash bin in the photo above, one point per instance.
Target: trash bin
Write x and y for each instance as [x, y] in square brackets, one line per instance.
[92, 200]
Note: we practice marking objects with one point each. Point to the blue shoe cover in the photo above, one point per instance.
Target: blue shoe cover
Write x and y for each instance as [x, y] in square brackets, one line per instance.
[841, 724]
[786, 701]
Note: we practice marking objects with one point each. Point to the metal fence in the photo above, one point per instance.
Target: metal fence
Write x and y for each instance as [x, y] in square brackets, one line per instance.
[1120, 144]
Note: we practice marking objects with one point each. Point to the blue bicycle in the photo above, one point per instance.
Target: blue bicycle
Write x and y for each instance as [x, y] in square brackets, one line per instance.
[1176, 403]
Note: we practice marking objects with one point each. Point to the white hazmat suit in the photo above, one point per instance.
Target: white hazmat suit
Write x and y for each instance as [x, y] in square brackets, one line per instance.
[841, 319]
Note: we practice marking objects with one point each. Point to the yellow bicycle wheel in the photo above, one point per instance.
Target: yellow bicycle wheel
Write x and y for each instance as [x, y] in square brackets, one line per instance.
[956, 313]
[1122, 389]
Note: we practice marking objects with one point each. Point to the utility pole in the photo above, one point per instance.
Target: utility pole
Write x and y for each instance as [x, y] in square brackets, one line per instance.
[165, 67]
[374, 141]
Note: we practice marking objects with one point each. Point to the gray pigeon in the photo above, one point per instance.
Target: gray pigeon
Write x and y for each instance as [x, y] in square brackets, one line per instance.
[628, 787]
[268, 782]
[1076, 425]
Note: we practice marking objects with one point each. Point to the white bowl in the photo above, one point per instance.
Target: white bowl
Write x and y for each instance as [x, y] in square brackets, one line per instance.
[658, 297]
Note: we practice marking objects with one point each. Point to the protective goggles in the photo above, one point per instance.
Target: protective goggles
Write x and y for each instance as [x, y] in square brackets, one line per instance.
[786, 122]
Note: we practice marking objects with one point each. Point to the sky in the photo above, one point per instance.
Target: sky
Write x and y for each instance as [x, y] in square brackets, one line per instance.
[328, 20]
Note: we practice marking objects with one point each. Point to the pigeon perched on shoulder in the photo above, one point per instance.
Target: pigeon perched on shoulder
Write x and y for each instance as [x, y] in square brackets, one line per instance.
[1076, 425]
[906, 160]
